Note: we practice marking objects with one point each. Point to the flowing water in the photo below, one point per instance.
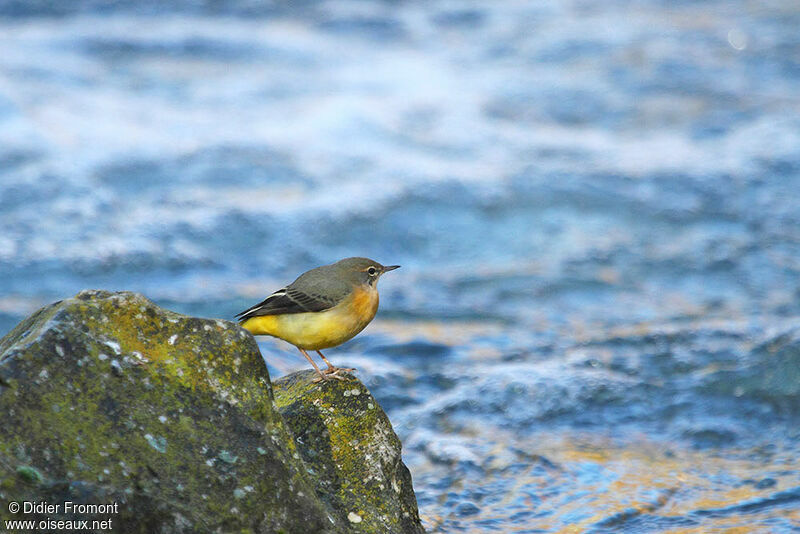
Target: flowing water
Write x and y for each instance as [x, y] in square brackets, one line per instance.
[596, 205]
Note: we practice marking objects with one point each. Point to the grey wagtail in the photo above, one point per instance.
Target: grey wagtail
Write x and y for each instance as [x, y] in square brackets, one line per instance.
[323, 308]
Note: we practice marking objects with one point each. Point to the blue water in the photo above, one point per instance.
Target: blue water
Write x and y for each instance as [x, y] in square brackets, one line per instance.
[596, 206]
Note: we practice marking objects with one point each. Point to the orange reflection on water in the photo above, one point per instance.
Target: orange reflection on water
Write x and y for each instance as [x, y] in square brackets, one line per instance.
[598, 483]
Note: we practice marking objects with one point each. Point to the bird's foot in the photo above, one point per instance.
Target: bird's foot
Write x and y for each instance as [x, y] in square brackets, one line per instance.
[330, 376]
[332, 370]
[333, 373]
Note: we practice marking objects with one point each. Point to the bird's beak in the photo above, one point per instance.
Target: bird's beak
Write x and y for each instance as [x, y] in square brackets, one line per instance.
[390, 268]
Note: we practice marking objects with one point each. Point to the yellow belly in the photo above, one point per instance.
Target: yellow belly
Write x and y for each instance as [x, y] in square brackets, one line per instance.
[320, 330]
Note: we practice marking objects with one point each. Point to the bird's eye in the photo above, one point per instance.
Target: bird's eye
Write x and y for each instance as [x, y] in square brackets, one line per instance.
[371, 271]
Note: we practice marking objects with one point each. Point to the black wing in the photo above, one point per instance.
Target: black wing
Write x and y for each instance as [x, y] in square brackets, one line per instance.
[288, 300]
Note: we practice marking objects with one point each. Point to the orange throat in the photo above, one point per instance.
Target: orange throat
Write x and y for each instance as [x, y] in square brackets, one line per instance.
[365, 303]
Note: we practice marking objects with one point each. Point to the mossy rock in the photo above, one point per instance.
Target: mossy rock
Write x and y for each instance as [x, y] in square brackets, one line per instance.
[107, 398]
[347, 440]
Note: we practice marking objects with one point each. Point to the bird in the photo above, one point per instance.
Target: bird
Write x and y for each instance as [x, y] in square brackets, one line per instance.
[322, 308]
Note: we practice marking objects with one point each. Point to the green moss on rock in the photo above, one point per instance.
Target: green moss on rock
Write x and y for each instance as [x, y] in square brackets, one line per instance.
[106, 397]
[348, 442]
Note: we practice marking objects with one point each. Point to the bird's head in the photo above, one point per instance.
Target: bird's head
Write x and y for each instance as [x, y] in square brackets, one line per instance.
[363, 270]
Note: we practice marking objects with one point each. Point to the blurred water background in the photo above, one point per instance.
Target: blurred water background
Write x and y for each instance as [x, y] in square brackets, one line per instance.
[596, 206]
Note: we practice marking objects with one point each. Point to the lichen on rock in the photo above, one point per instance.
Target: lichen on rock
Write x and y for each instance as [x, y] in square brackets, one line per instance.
[347, 440]
[108, 398]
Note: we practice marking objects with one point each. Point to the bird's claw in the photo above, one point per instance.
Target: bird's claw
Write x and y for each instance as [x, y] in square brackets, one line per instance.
[332, 372]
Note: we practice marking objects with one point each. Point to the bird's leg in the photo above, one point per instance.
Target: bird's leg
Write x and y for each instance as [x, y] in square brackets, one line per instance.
[321, 376]
[332, 369]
